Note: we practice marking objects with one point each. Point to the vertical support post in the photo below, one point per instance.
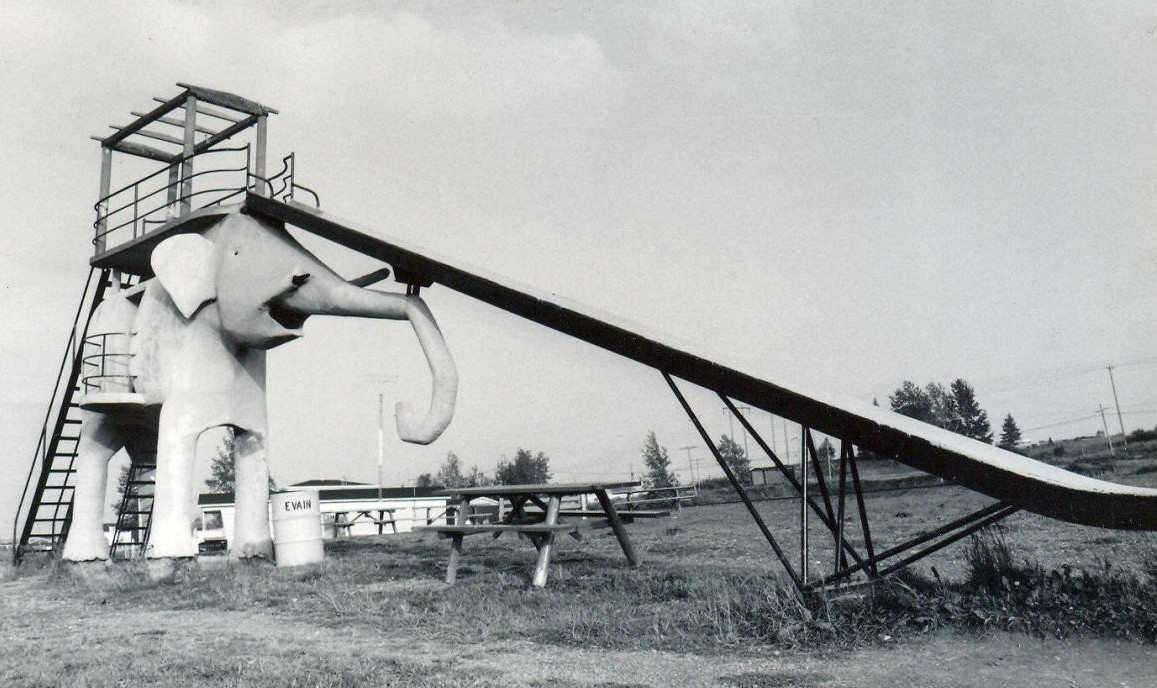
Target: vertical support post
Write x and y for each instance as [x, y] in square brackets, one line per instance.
[455, 555]
[187, 160]
[261, 187]
[841, 559]
[102, 204]
[174, 188]
[803, 510]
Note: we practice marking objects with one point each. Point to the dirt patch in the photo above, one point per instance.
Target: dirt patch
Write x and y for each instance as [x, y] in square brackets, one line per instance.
[49, 636]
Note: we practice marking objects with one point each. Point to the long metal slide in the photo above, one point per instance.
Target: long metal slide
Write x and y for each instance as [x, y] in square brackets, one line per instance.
[1017, 481]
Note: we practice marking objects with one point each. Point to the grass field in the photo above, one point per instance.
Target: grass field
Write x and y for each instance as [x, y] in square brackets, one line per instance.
[709, 606]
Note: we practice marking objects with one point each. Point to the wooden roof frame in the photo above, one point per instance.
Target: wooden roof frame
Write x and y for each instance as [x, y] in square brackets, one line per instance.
[250, 111]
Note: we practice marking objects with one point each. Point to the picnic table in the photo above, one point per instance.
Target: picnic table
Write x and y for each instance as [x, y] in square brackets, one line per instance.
[381, 517]
[535, 511]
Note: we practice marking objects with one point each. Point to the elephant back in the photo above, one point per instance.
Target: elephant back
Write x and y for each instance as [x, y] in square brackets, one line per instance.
[157, 331]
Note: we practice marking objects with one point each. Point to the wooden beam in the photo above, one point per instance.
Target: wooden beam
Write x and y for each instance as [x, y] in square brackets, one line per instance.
[228, 100]
[165, 108]
[178, 123]
[154, 135]
[225, 134]
[138, 150]
[206, 110]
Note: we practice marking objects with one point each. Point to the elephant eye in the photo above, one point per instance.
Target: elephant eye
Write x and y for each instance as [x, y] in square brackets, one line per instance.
[236, 251]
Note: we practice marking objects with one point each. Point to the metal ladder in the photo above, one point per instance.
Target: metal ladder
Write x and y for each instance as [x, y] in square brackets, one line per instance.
[135, 515]
[46, 502]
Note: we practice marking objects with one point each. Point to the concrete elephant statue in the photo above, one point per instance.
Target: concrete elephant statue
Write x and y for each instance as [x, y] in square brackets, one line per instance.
[192, 345]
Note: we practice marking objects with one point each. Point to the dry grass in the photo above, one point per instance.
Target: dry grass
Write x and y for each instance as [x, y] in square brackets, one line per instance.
[708, 585]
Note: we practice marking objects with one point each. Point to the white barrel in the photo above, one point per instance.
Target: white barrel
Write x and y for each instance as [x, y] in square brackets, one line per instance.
[296, 527]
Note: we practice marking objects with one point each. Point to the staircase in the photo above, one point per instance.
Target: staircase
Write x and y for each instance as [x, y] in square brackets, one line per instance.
[135, 515]
[46, 503]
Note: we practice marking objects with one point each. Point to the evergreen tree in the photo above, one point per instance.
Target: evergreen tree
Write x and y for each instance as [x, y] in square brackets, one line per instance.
[734, 456]
[526, 469]
[973, 420]
[658, 463]
[912, 401]
[945, 413]
[954, 409]
[1009, 433]
[424, 480]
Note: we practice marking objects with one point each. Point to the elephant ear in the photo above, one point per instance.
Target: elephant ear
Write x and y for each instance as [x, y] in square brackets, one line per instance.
[186, 266]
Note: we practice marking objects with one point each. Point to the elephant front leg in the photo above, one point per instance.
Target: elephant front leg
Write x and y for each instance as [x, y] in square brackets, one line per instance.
[251, 497]
[99, 440]
[171, 530]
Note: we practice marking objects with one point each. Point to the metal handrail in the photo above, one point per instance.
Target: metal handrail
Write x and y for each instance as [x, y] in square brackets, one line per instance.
[285, 182]
[172, 200]
[177, 161]
[138, 200]
[99, 360]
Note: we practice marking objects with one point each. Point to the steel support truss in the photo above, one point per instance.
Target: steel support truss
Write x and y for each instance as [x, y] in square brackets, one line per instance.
[848, 559]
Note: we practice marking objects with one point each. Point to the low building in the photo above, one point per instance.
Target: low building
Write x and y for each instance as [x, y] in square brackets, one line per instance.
[347, 510]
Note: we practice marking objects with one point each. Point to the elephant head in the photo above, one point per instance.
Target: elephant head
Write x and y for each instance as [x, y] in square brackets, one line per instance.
[265, 285]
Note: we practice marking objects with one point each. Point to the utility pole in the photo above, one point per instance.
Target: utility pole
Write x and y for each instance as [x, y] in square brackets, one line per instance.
[382, 380]
[381, 440]
[731, 426]
[1124, 441]
[690, 463]
[1101, 409]
[744, 410]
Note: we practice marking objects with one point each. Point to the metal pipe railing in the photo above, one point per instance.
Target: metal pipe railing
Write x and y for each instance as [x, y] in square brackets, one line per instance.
[161, 196]
[135, 200]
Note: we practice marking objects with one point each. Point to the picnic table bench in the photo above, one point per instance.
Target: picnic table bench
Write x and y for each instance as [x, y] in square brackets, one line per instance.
[342, 521]
[535, 511]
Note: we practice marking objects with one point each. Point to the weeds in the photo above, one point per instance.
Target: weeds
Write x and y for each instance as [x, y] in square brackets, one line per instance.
[998, 594]
[680, 604]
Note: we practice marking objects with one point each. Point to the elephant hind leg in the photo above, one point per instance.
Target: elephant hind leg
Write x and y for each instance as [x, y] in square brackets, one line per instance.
[99, 440]
[251, 537]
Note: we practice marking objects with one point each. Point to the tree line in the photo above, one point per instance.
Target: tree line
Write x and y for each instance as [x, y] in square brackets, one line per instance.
[953, 408]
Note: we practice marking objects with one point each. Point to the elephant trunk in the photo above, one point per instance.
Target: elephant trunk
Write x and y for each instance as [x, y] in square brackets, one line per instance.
[322, 296]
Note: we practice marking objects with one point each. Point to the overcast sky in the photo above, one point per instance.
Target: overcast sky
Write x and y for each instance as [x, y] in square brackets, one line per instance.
[851, 197]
